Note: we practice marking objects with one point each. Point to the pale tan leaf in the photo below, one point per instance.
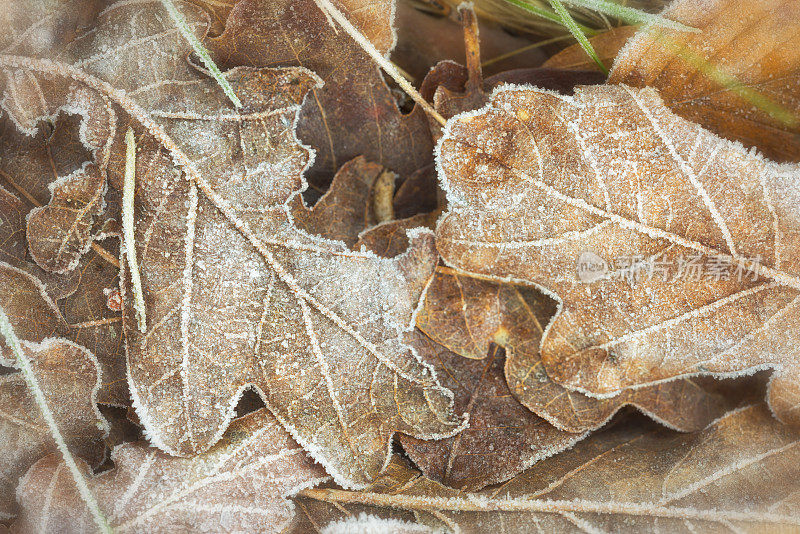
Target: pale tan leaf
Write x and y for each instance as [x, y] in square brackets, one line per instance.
[540, 184]
[239, 485]
[739, 474]
[236, 296]
[738, 76]
[69, 377]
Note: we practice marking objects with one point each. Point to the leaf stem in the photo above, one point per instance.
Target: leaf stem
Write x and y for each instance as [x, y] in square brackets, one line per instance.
[13, 343]
[328, 8]
[128, 192]
[476, 502]
[201, 51]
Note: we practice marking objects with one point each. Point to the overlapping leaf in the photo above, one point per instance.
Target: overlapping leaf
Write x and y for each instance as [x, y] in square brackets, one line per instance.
[503, 437]
[737, 76]
[542, 186]
[43, 304]
[240, 484]
[354, 113]
[236, 296]
[69, 378]
[740, 474]
[467, 314]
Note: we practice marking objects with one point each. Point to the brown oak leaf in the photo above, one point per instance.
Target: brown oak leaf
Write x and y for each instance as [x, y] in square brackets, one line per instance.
[242, 484]
[603, 199]
[353, 113]
[738, 76]
[606, 45]
[347, 208]
[740, 474]
[69, 377]
[503, 438]
[236, 296]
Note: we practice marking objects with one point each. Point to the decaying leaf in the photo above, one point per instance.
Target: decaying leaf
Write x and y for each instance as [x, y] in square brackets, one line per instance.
[353, 113]
[738, 76]
[605, 199]
[346, 208]
[236, 296]
[739, 474]
[69, 377]
[370, 524]
[503, 438]
[239, 485]
[467, 314]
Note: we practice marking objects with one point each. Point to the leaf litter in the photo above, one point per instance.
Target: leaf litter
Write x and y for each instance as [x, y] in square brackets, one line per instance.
[339, 317]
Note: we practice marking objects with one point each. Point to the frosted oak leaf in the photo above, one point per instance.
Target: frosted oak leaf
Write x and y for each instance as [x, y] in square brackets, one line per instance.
[70, 378]
[535, 179]
[466, 314]
[242, 484]
[236, 296]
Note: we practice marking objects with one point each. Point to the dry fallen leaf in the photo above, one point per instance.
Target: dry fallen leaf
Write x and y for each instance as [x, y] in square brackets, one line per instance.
[346, 208]
[69, 378]
[73, 305]
[242, 484]
[739, 474]
[606, 45]
[228, 279]
[739, 76]
[503, 438]
[467, 314]
[545, 188]
[353, 113]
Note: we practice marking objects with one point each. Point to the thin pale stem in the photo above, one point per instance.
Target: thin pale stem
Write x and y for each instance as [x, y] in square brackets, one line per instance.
[201, 51]
[128, 192]
[26, 369]
[481, 503]
[327, 7]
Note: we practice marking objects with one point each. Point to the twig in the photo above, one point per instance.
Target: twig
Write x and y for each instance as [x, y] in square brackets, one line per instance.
[128, 191]
[201, 51]
[33, 384]
[329, 9]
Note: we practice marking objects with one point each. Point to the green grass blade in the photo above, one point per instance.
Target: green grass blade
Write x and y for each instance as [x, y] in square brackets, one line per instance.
[545, 14]
[201, 51]
[572, 26]
[629, 15]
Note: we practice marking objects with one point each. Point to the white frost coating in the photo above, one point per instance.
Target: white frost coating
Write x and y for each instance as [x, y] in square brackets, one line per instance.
[241, 485]
[365, 523]
[11, 362]
[305, 268]
[129, 243]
